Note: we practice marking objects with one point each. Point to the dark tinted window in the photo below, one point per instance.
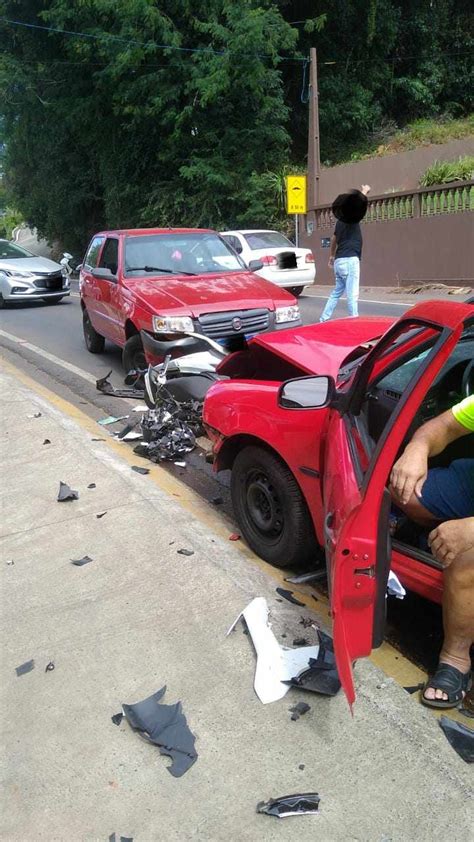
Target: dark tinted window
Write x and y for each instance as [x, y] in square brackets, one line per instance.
[92, 255]
[234, 242]
[109, 257]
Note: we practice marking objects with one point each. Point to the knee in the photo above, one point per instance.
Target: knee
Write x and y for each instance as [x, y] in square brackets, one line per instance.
[461, 571]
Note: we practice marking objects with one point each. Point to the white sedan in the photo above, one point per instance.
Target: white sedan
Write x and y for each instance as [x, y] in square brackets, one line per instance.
[283, 264]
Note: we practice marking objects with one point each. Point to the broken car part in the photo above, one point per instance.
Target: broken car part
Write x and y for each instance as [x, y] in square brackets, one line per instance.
[303, 578]
[111, 419]
[289, 596]
[290, 805]
[460, 737]
[80, 562]
[49, 666]
[92, 485]
[104, 385]
[184, 551]
[299, 710]
[394, 586]
[140, 470]
[113, 838]
[101, 514]
[165, 726]
[276, 665]
[66, 493]
[117, 718]
[47, 441]
[414, 688]
[26, 667]
[321, 675]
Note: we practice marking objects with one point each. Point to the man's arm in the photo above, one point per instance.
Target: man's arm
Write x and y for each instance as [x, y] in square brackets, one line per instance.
[409, 472]
[332, 252]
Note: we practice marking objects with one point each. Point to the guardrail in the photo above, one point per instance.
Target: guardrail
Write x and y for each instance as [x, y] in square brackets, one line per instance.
[456, 197]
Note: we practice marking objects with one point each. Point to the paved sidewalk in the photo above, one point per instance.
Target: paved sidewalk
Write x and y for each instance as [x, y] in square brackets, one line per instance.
[140, 616]
[392, 295]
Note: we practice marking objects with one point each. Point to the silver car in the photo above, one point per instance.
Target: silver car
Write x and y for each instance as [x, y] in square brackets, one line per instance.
[26, 277]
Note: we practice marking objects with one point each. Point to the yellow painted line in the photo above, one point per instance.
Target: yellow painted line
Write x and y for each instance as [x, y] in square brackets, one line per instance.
[387, 658]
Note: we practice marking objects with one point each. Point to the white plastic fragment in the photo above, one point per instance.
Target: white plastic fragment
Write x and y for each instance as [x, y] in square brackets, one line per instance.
[275, 663]
[394, 586]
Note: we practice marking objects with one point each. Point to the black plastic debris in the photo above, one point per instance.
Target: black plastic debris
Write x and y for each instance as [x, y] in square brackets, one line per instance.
[301, 641]
[127, 429]
[184, 551]
[113, 838]
[413, 688]
[140, 470]
[165, 726]
[101, 514]
[301, 767]
[104, 385]
[80, 562]
[169, 432]
[92, 485]
[47, 441]
[307, 622]
[36, 415]
[467, 705]
[26, 667]
[299, 710]
[290, 805]
[10, 562]
[49, 666]
[289, 596]
[460, 737]
[321, 675]
[117, 718]
[217, 500]
[66, 493]
[98, 439]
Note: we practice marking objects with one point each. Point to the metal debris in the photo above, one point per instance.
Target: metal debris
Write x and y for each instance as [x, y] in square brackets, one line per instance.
[460, 737]
[289, 596]
[80, 562]
[26, 667]
[290, 805]
[66, 493]
[165, 726]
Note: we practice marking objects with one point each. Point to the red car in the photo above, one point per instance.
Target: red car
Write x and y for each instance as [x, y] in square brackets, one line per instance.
[174, 280]
[310, 425]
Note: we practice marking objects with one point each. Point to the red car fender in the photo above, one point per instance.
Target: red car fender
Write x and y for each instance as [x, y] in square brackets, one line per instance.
[234, 412]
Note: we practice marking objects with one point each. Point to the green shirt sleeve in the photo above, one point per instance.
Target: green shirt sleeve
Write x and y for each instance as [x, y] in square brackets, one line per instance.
[464, 413]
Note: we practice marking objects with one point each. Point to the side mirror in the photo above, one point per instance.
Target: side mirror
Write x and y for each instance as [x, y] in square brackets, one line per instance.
[255, 265]
[104, 275]
[306, 392]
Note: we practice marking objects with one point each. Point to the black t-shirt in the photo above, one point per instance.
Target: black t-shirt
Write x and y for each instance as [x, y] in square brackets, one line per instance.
[349, 239]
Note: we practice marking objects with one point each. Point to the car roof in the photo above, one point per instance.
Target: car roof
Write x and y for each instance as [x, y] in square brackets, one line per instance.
[138, 232]
[252, 231]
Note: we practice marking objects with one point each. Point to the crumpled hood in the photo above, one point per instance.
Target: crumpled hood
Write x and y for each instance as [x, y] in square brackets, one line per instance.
[207, 294]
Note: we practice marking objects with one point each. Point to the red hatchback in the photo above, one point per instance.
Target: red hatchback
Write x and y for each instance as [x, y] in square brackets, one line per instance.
[310, 425]
[174, 280]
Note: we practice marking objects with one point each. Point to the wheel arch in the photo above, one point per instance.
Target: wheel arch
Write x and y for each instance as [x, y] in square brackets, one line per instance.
[130, 329]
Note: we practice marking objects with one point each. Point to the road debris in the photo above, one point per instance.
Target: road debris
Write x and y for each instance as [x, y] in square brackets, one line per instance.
[394, 586]
[124, 432]
[26, 667]
[50, 666]
[304, 578]
[36, 415]
[308, 623]
[98, 439]
[113, 838]
[217, 500]
[289, 596]
[166, 434]
[321, 675]
[47, 441]
[101, 514]
[467, 705]
[117, 718]
[80, 562]
[139, 470]
[234, 537]
[166, 727]
[104, 385]
[92, 485]
[290, 805]
[414, 688]
[10, 562]
[299, 710]
[184, 551]
[276, 665]
[300, 641]
[111, 419]
[460, 737]
[66, 493]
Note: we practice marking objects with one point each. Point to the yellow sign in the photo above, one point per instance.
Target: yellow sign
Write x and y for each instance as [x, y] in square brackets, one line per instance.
[296, 194]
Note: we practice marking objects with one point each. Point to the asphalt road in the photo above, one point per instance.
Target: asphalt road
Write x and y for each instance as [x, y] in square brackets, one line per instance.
[46, 341]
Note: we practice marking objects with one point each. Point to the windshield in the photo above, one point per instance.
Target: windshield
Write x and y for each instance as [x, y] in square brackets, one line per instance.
[179, 254]
[266, 239]
[10, 250]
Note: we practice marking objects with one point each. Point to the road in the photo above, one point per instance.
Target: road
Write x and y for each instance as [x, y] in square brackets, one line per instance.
[47, 343]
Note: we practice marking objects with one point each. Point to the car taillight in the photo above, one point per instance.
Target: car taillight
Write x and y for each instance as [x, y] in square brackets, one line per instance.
[309, 258]
[269, 260]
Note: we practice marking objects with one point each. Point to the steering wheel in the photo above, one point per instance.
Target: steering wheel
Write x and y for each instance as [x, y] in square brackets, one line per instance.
[467, 386]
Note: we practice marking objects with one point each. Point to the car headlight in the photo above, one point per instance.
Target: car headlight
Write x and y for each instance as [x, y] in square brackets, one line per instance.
[173, 324]
[287, 314]
[13, 273]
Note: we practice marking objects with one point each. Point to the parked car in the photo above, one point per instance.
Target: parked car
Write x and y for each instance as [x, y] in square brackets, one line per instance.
[310, 426]
[168, 281]
[283, 264]
[26, 277]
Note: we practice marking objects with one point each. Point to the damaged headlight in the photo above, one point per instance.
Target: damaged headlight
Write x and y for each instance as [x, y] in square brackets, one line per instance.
[287, 314]
[173, 324]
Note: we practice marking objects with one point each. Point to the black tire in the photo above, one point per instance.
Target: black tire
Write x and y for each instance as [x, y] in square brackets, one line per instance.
[133, 354]
[270, 509]
[296, 291]
[95, 343]
[3, 303]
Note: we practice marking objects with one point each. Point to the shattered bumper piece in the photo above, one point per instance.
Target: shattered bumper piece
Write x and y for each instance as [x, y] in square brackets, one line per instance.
[26, 667]
[321, 675]
[460, 737]
[166, 727]
[104, 385]
[66, 493]
[306, 803]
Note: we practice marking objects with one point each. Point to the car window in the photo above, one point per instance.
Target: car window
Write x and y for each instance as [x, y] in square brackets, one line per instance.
[92, 254]
[187, 253]
[109, 256]
[234, 242]
[10, 251]
[266, 239]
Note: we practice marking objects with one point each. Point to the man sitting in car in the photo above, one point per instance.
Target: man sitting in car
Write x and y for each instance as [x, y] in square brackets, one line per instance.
[442, 499]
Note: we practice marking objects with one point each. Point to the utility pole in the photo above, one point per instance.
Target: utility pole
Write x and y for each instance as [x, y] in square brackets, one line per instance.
[314, 160]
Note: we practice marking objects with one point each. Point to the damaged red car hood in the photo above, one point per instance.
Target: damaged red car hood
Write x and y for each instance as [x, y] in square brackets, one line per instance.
[208, 294]
[323, 347]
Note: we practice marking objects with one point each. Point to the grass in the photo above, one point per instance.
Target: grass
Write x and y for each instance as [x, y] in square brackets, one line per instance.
[445, 172]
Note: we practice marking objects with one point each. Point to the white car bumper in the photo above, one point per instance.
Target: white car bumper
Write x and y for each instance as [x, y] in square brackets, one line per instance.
[289, 277]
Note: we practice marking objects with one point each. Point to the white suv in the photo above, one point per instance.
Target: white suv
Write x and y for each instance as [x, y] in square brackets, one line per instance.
[283, 264]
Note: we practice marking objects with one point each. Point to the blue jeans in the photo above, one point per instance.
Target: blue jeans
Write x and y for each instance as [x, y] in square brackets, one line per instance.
[346, 273]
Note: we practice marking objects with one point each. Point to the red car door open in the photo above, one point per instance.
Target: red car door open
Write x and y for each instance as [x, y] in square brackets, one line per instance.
[356, 497]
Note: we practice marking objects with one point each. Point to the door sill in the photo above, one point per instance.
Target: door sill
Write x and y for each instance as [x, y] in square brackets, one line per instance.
[419, 555]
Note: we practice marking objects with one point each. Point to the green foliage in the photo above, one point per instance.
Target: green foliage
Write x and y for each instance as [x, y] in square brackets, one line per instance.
[8, 221]
[444, 172]
[388, 139]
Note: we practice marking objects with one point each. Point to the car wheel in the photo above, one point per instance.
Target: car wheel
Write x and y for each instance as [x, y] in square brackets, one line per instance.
[3, 303]
[95, 343]
[296, 291]
[270, 508]
[133, 354]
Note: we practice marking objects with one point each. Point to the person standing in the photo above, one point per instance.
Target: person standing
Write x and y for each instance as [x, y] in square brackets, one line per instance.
[346, 251]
